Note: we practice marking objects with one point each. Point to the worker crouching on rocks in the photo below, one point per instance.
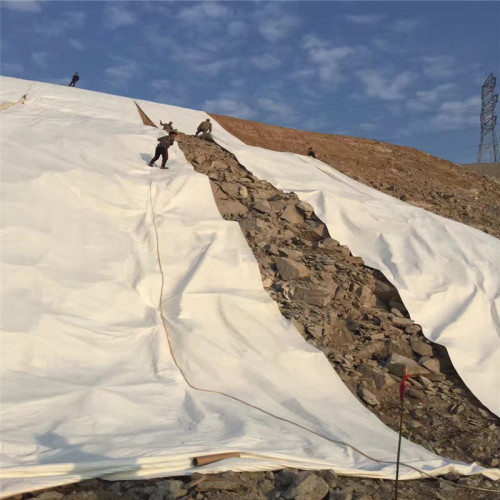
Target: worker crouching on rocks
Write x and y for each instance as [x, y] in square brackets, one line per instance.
[204, 127]
[168, 127]
[162, 149]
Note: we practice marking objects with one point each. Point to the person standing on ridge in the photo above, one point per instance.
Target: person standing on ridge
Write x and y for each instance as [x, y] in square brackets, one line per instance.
[162, 149]
[205, 126]
[311, 153]
[74, 80]
[168, 127]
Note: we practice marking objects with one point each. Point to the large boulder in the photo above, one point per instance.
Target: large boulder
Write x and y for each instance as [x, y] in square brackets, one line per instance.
[291, 270]
[231, 207]
[292, 215]
[400, 366]
[307, 486]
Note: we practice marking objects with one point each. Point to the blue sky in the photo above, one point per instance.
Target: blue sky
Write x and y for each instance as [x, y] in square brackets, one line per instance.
[408, 73]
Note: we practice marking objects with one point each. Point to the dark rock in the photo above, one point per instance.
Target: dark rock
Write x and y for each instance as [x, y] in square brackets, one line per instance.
[243, 192]
[327, 243]
[307, 486]
[93, 495]
[402, 321]
[232, 189]
[400, 366]
[386, 292]
[50, 495]
[396, 304]
[290, 253]
[421, 348]
[171, 489]
[316, 297]
[367, 396]
[305, 208]
[277, 205]
[398, 346]
[413, 329]
[262, 206]
[380, 379]
[432, 364]
[225, 481]
[340, 495]
[291, 270]
[292, 215]
[366, 296]
[315, 331]
[232, 207]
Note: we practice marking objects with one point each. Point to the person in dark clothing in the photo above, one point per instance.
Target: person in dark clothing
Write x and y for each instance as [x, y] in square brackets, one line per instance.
[168, 127]
[74, 80]
[207, 136]
[205, 126]
[310, 152]
[162, 149]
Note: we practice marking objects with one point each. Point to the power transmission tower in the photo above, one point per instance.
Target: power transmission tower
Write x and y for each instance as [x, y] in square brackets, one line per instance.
[488, 120]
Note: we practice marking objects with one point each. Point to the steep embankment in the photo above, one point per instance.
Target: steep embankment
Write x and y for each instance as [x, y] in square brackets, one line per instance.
[414, 176]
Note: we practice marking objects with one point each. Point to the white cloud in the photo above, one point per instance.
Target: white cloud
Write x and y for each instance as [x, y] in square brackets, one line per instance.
[326, 58]
[121, 74]
[275, 23]
[438, 67]
[280, 110]
[237, 28]
[316, 123]
[192, 56]
[458, 114]
[406, 26]
[22, 5]
[12, 68]
[40, 58]
[384, 87]
[364, 19]
[237, 83]
[161, 84]
[230, 107]
[266, 61]
[115, 17]
[68, 21]
[214, 67]
[367, 126]
[427, 99]
[76, 44]
[202, 60]
[204, 12]
[302, 74]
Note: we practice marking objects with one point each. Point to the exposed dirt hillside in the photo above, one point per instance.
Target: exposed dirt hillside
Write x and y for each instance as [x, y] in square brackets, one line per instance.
[406, 173]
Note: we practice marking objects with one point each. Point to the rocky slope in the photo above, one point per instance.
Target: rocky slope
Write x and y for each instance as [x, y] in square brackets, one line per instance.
[413, 176]
[352, 314]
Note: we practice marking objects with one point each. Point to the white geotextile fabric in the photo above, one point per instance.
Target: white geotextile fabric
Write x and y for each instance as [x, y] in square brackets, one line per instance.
[97, 379]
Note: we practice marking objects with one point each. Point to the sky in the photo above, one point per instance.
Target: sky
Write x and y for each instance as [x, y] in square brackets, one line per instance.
[402, 72]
